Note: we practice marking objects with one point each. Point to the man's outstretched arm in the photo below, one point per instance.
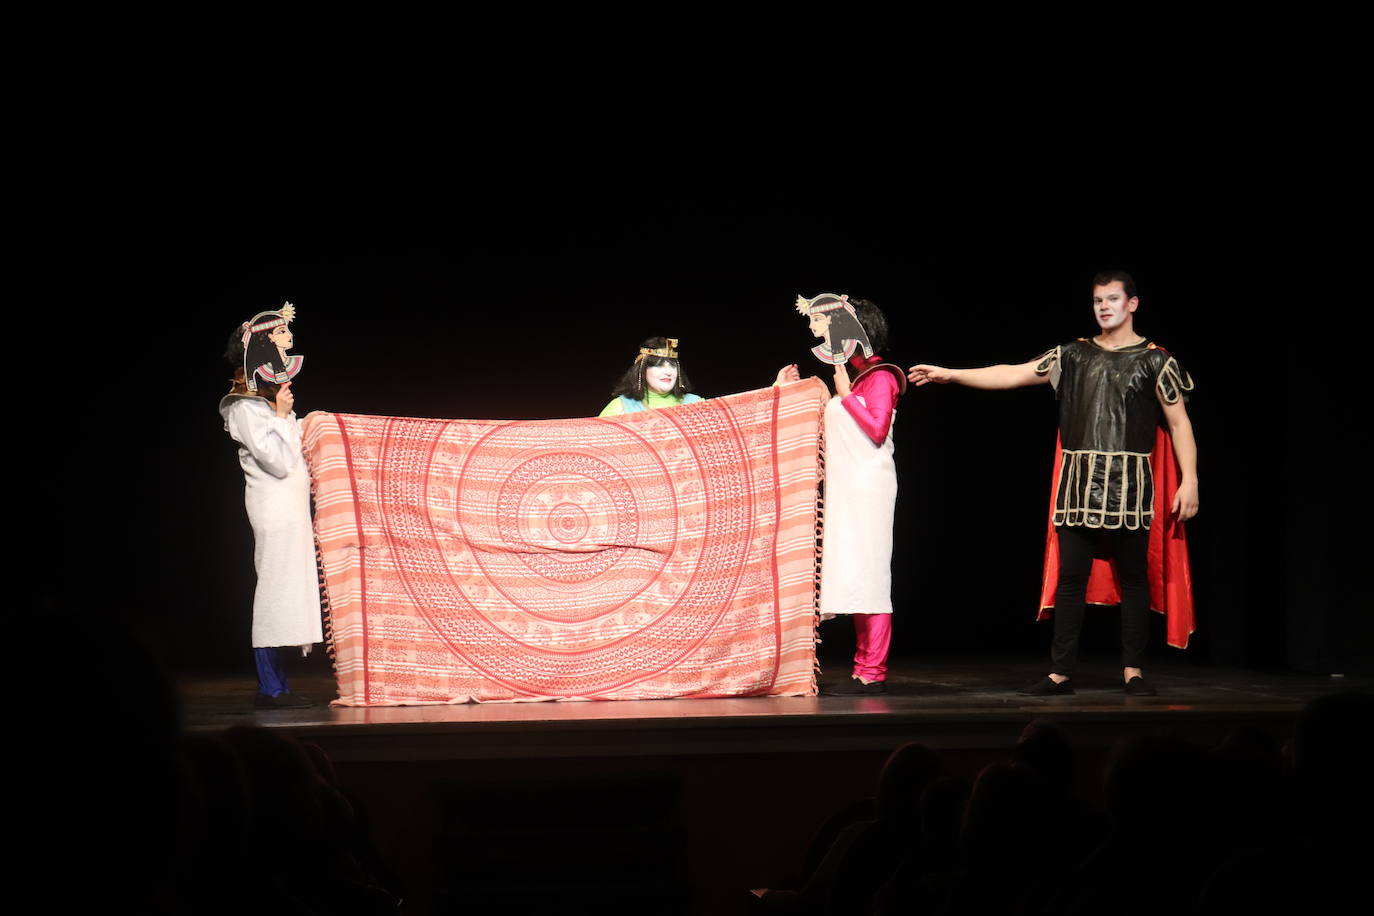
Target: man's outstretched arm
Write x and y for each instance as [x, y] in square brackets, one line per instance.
[989, 377]
[1185, 450]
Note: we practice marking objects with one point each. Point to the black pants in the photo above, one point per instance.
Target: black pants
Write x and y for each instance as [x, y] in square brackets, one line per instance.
[1130, 551]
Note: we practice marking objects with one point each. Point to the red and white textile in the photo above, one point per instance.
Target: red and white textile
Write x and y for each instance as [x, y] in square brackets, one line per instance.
[668, 553]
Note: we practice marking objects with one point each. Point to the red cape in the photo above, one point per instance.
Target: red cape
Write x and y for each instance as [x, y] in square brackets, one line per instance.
[1171, 586]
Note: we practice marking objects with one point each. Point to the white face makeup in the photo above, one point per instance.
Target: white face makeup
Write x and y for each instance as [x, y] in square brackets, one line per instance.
[1111, 307]
[661, 379]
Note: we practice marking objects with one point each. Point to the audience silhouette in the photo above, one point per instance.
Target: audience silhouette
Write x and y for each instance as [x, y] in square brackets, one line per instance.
[1247, 825]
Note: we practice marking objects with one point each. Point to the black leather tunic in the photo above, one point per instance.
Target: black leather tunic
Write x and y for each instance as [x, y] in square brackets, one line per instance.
[1108, 413]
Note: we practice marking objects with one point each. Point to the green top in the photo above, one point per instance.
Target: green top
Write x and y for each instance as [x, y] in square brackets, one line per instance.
[652, 401]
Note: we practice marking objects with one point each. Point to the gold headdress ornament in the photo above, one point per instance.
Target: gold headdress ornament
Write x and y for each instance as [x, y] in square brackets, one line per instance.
[668, 352]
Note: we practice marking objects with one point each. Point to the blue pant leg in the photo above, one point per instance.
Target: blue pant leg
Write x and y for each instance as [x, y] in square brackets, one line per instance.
[271, 679]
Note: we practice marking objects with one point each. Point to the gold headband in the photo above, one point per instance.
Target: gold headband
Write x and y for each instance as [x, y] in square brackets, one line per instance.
[668, 352]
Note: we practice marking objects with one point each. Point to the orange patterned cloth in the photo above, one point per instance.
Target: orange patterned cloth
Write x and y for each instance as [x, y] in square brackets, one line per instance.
[667, 553]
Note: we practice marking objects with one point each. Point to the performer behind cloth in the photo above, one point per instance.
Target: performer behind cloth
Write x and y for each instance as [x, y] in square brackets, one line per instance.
[655, 380]
[1116, 492]
[860, 479]
[258, 415]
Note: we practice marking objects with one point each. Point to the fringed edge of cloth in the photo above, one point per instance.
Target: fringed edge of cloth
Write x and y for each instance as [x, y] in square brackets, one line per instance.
[820, 557]
[325, 608]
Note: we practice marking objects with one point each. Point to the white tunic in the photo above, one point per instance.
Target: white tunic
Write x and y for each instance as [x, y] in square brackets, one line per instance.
[860, 499]
[286, 604]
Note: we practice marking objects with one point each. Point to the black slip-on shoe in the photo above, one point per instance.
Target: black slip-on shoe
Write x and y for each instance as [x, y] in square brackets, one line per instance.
[1139, 687]
[1046, 687]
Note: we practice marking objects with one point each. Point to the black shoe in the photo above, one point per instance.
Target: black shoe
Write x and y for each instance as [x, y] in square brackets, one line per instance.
[1139, 687]
[855, 688]
[1046, 687]
[286, 700]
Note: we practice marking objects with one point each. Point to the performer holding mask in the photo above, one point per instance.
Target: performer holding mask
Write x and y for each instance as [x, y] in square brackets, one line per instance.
[860, 479]
[258, 415]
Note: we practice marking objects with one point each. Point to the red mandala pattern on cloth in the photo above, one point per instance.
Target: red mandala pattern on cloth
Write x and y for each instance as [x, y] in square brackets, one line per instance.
[577, 499]
[659, 554]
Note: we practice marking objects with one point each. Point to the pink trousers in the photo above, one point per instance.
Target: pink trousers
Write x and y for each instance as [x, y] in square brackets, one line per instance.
[872, 636]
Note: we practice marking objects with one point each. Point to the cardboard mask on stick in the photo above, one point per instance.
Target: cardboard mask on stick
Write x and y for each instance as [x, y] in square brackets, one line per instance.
[834, 321]
[266, 338]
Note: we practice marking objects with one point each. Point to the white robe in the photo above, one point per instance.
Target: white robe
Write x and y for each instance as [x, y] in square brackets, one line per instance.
[860, 500]
[286, 604]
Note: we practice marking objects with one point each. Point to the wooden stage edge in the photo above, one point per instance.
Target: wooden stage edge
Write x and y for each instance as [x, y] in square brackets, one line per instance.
[947, 705]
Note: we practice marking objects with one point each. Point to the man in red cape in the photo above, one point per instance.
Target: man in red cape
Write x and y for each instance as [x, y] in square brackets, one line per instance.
[1125, 481]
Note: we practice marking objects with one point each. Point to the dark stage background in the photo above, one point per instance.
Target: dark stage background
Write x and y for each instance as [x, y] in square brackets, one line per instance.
[476, 258]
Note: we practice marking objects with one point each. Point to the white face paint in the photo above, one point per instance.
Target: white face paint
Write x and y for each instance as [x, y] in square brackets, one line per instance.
[661, 379]
[1111, 307]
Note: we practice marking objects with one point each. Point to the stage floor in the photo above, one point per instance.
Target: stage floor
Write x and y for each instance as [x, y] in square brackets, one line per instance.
[945, 704]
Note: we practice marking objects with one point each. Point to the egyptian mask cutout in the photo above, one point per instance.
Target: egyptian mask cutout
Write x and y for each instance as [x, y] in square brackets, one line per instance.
[266, 339]
[833, 320]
